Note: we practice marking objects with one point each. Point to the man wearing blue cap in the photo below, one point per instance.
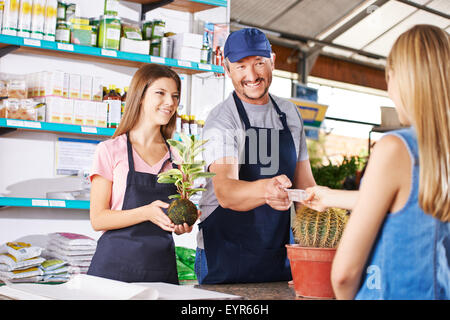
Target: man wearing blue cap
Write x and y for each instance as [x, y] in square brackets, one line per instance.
[256, 146]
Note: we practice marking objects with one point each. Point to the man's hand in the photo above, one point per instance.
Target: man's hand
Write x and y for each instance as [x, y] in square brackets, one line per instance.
[275, 195]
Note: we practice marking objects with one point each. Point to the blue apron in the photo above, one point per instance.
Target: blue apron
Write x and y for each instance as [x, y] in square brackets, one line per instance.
[250, 246]
[143, 252]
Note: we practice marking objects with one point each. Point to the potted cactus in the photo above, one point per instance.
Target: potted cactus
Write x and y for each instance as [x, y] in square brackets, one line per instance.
[182, 210]
[316, 235]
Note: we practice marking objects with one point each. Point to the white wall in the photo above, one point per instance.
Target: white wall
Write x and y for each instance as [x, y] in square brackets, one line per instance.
[27, 159]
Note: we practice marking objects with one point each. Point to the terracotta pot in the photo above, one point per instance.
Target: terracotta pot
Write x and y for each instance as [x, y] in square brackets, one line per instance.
[311, 271]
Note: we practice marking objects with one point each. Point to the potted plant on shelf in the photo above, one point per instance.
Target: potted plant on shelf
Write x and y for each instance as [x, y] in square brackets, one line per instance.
[182, 209]
[316, 237]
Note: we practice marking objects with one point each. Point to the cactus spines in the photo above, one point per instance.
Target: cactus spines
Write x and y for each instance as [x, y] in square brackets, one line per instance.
[319, 229]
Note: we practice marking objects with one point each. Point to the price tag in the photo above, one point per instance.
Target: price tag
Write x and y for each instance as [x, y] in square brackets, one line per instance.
[65, 46]
[183, 63]
[39, 203]
[57, 203]
[14, 123]
[89, 130]
[32, 124]
[109, 53]
[204, 66]
[158, 60]
[31, 42]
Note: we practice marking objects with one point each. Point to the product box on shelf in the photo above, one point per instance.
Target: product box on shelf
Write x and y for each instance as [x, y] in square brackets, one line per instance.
[10, 17]
[187, 53]
[38, 19]
[74, 86]
[97, 89]
[66, 85]
[90, 116]
[134, 46]
[67, 110]
[101, 118]
[79, 112]
[24, 21]
[51, 9]
[86, 87]
[52, 83]
[53, 109]
[187, 39]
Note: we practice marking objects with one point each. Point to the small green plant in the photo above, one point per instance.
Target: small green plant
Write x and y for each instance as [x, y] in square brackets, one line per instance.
[319, 229]
[333, 176]
[182, 209]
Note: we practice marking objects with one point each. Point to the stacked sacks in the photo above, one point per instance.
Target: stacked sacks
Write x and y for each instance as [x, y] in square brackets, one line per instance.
[75, 249]
[20, 261]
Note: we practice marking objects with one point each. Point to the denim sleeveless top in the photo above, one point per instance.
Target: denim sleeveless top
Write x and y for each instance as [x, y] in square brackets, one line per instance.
[411, 255]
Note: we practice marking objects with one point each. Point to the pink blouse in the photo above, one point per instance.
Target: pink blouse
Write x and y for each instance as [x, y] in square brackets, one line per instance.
[111, 162]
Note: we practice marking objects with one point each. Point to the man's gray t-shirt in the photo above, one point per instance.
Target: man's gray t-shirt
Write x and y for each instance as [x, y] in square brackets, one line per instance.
[225, 132]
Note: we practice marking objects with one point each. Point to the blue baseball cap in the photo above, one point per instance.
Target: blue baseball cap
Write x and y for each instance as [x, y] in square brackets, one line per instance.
[245, 43]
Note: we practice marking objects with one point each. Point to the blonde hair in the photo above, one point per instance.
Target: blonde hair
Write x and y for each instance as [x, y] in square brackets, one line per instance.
[141, 80]
[420, 60]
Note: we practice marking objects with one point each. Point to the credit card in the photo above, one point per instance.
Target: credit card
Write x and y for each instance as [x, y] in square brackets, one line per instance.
[296, 194]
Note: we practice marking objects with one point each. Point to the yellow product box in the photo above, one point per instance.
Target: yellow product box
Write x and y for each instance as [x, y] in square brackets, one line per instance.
[79, 20]
[86, 87]
[67, 111]
[101, 114]
[312, 112]
[74, 86]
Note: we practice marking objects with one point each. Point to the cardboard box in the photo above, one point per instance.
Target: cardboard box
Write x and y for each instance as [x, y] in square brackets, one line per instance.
[187, 39]
[187, 53]
[134, 46]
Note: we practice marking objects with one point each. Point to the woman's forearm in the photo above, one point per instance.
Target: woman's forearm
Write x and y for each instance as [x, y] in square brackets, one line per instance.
[344, 199]
[106, 219]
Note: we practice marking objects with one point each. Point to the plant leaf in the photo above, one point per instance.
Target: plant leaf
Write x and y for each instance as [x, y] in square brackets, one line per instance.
[175, 196]
[203, 175]
[166, 180]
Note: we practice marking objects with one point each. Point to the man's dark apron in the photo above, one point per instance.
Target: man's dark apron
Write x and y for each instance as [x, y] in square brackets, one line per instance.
[250, 246]
[143, 252]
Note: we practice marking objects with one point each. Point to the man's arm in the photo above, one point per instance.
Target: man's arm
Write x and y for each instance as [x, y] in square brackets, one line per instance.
[239, 195]
[303, 177]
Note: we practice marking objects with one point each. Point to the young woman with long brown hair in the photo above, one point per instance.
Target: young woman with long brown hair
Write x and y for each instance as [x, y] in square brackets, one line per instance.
[396, 244]
[126, 201]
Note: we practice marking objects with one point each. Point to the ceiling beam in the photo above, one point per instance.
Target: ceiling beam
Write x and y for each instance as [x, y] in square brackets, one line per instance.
[425, 8]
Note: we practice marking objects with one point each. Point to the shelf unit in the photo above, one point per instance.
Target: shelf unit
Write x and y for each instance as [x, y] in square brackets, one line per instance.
[43, 203]
[9, 44]
[7, 125]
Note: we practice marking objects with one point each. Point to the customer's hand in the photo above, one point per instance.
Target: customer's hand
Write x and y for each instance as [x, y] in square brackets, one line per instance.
[275, 195]
[316, 198]
[185, 228]
[154, 213]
